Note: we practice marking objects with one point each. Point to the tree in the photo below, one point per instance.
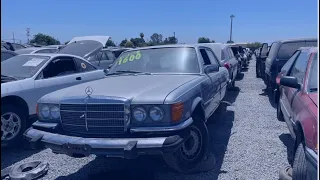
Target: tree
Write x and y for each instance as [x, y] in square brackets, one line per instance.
[141, 35]
[123, 43]
[170, 40]
[45, 40]
[230, 42]
[129, 44]
[137, 42]
[156, 39]
[110, 43]
[213, 41]
[254, 46]
[203, 40]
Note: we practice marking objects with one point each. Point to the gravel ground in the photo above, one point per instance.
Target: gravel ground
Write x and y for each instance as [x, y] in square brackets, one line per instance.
[246, 138]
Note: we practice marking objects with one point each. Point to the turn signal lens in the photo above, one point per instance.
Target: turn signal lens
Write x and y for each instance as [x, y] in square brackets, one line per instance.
[176, 112]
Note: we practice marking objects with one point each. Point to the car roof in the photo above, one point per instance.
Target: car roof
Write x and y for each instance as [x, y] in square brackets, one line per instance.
[309, 49]
[297, 39]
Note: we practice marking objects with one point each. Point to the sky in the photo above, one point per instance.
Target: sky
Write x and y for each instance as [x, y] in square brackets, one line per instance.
[255, 20]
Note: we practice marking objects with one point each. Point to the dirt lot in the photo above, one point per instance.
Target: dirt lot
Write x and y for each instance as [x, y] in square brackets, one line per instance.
[247, 139]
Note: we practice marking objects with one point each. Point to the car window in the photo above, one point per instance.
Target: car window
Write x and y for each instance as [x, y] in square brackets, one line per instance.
[110, 55]
[230, 53]
[287, 66]
[212, 57]
[223, 56]
[172, 60]
[313, 76]
[300, 66]
[23, 66]
[104, 56]
[59, 66]
[17, 46]
[5, 55]
[205, 57]
[287, 49]
[54, 50]
[84, 66]
[272, 51]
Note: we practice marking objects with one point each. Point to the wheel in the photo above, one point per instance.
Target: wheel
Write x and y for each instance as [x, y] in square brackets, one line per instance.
[13, 124]
[279, 113]
[276, 96]
[193, 150]
[299, 171]
[233, 83]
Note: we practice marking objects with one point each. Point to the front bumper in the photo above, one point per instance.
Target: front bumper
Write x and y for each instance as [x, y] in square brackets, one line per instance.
[312, 163]
[128, 148]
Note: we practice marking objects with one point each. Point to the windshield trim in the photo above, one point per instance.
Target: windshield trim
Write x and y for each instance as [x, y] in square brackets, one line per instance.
[138, 49]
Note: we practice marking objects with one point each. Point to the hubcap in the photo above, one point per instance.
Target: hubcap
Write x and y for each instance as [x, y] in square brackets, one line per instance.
[10, 125]
[192, 146]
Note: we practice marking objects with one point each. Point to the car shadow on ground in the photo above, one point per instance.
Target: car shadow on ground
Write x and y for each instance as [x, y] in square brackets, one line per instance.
[245, 69]
[240, 76]
[146, 167]
[289, 143]
[11, 156]
[270, 97]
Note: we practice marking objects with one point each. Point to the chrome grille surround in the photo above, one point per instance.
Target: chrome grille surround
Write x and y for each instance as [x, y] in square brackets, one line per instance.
[95, 115]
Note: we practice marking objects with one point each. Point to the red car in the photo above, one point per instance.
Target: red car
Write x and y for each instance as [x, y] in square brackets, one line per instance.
[298, 107]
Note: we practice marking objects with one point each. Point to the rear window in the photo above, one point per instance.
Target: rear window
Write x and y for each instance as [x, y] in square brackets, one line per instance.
[287, 49]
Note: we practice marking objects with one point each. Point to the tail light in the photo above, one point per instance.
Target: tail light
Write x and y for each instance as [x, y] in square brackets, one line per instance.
[227, 65]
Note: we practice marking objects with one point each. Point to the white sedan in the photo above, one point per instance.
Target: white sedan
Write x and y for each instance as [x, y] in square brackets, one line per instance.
[27, 77]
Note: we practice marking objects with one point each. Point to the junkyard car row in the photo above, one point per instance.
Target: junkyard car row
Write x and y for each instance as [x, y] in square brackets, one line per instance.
[152, 100]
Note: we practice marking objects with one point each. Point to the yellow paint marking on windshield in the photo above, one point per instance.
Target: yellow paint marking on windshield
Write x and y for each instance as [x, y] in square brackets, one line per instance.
[130, 57]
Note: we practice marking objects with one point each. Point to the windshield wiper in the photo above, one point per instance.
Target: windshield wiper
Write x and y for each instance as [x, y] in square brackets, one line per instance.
[313, 89]
[128, 71]
[10, 77]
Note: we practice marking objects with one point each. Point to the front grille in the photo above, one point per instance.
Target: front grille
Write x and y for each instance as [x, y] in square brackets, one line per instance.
[93, 118]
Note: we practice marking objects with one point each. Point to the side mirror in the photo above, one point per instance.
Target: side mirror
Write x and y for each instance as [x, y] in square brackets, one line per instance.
[211, 68]
[290, 81]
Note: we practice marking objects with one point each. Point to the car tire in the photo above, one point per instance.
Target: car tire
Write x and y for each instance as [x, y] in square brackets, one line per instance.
[279, 113]
[299, 171]
[18, 121]
[182, 160]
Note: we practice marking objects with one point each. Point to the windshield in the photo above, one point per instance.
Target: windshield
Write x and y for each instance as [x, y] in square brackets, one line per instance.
[23, 66]
[81, 48]
[158, 60]
[313, 77]
[287, 49]
[25, 51]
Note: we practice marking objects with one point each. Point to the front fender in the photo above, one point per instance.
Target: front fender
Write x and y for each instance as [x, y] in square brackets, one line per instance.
[195, 102]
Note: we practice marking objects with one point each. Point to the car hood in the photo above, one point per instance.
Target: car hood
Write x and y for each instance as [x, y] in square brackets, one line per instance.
[314, 98]
[84, 46]
[139, 89]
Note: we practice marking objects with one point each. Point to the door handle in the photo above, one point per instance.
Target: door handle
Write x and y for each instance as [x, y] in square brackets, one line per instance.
[78, 78]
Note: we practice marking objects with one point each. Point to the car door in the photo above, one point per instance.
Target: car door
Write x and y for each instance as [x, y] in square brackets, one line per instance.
[298, 70]
[89, 72]
[60, 72]
[233, 63]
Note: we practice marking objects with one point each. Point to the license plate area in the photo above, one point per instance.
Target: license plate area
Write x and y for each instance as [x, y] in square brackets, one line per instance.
[76, 149]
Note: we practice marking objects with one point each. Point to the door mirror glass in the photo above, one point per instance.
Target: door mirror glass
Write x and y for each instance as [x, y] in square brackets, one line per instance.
[211, 68]
[290, 81]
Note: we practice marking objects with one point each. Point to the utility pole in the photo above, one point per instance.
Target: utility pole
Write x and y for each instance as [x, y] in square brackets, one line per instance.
[174, 34]
[231, 17]
[28, 34]
[13, 37]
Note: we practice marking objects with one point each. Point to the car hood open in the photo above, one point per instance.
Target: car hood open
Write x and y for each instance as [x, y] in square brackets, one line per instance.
[137, 88]
[85, 46]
